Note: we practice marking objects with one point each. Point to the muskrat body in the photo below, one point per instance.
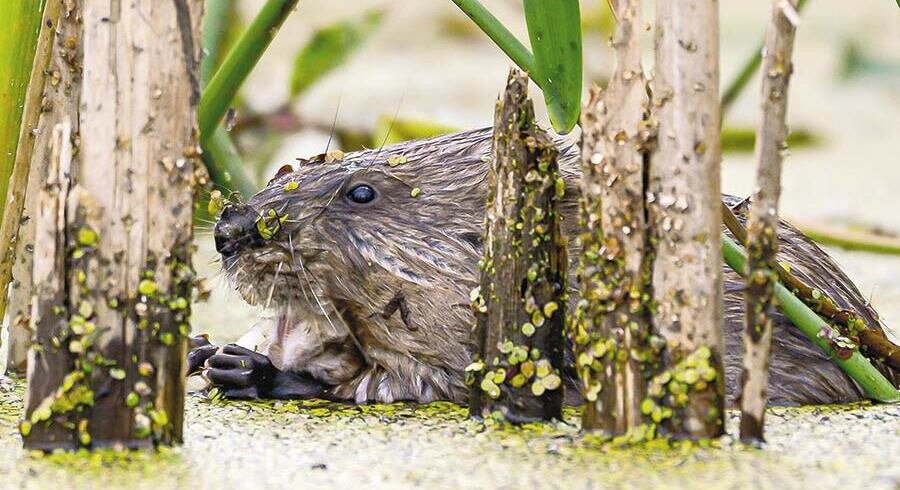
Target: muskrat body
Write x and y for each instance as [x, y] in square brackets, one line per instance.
[368, 261]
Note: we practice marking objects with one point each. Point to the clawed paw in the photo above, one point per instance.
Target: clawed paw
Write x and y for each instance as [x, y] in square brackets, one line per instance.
[240, 372]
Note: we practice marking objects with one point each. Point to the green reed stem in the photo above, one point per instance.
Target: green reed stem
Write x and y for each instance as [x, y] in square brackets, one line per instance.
[225, 166]
[851, 240]
[18, 40]
[215, 26]
[239, 62]
[220, 155]
[505, 40]
[857, 366]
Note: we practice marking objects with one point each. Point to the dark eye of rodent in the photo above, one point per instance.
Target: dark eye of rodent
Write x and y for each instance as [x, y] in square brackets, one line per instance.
[361, 194]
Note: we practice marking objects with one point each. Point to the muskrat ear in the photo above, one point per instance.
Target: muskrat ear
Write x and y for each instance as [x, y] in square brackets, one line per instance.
[473, 238]
[284, 170]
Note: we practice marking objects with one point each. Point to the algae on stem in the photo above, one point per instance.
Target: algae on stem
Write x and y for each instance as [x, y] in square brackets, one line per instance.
[520, 305]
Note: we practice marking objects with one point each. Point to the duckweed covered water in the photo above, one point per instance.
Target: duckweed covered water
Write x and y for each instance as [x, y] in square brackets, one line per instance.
[314, 444]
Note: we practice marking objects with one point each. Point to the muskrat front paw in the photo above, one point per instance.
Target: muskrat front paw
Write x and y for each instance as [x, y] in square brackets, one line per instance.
[236, 368]
[245, 374]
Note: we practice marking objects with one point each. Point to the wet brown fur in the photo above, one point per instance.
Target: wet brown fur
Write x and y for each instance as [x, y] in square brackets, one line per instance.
[341, 267]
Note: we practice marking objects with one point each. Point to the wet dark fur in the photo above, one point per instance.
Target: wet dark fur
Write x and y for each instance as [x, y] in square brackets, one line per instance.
[341, 265]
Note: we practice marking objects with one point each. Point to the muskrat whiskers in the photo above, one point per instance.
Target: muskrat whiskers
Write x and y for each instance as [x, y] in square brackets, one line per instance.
[313, 290]
[334, 121]
[274, 281]
[350, 331]
[204, 220]
[232, 195]
[387, 134]
[297, 273]
[231, 272]
[308, 217]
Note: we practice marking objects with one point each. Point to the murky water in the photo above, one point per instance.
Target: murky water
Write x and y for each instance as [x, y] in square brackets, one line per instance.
[317, 444]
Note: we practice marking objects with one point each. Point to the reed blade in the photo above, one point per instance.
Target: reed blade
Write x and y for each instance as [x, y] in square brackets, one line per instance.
[554, 28]
[501, 36]
[18, 40]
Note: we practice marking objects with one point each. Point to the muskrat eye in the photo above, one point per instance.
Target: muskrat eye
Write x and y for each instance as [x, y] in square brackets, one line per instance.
[361, 194]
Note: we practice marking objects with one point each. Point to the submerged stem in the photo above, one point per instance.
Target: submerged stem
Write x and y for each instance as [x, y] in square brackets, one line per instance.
[873, 338]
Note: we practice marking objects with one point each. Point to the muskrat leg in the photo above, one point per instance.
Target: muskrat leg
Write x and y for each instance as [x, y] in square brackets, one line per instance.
[244, 374]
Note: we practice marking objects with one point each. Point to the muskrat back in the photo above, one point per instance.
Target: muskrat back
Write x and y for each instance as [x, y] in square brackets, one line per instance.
[368, 259]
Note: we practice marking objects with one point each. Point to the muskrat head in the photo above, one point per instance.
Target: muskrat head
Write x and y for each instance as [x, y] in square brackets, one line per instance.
[377, 249]
[400, 215]
[387, 240]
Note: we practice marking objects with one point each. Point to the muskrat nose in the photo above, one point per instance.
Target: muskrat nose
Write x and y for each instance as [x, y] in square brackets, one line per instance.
[236, 230]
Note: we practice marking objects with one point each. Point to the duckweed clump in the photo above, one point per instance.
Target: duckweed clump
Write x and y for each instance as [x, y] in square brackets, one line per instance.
[436, 445]
[268, 224]
[396, 160]
[216, 203]
[670, 389]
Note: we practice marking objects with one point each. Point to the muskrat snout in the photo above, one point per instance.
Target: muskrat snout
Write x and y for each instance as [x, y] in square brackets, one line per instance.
[237, 230]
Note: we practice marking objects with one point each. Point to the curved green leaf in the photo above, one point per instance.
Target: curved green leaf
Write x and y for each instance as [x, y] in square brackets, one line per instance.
[554, 27]
[329, 47]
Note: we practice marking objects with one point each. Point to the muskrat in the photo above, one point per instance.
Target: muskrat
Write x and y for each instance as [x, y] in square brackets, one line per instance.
[368, 259]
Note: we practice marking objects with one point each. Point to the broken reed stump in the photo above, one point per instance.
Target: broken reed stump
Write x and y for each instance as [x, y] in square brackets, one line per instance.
[762, 238]
[685, 219]
[520, 305]
[612, 328]
[112, 266]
